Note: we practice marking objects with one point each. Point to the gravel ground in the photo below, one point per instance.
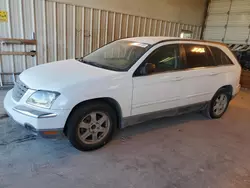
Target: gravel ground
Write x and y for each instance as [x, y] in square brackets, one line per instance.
[187, 151]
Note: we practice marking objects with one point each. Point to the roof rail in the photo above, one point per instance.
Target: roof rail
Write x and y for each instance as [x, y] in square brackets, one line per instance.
[192, 40]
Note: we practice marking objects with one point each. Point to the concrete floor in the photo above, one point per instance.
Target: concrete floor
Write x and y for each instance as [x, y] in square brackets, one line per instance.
[187, 151]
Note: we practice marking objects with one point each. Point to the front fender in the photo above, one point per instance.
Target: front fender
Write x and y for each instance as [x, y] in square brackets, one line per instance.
[120, 92]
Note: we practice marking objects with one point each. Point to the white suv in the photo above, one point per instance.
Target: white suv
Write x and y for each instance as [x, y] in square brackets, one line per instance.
[125, 82]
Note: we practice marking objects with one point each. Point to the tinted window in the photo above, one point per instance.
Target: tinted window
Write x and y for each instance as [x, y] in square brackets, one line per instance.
[198, 56]
[220, 57]
[165, 58]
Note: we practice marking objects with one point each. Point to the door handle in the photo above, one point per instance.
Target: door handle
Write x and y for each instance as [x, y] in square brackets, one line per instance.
[213, 73]
[34, 53]
[178, 78]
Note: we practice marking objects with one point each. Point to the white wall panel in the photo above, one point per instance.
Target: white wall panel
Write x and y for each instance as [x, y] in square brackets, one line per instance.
[29, 31]
[185, 11]
[66, 31]
[41, 35]
[7, 62]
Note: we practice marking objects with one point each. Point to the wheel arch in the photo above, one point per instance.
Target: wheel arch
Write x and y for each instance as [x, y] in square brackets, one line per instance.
[109, 101]
[228, 88]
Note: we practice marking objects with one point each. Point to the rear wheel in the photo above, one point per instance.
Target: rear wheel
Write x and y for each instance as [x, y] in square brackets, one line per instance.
[218, 105]
[91, 126]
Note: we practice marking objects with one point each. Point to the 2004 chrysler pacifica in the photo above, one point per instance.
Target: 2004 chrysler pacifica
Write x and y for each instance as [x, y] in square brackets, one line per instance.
[123, 83]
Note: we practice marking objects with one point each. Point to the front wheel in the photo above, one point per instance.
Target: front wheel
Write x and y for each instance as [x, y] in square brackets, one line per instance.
[91, 126]
[218, 105]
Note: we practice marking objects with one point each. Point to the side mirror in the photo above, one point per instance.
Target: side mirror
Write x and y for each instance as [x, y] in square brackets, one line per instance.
[147, 69]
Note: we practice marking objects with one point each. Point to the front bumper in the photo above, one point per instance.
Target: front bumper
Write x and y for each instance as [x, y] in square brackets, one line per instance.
[47, 122]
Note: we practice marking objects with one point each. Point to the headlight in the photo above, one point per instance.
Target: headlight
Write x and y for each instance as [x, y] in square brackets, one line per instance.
[43, 99]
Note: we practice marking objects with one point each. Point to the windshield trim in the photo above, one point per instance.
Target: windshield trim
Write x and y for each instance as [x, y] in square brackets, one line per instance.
[99, 65]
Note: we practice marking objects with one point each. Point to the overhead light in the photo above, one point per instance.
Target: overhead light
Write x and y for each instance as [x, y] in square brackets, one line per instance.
[198, 50]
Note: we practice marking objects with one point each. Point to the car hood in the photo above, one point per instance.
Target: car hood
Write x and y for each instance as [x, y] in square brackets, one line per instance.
[58, 75]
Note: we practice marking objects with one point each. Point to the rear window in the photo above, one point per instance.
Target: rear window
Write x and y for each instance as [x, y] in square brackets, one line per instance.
[220, 57]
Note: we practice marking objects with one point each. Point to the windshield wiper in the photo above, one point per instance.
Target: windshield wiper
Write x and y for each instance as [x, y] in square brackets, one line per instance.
[81, 59]
[90, 63]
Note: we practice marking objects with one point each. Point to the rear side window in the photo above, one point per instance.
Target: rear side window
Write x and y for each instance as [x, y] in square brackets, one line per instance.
[220, 57]
[198, 56]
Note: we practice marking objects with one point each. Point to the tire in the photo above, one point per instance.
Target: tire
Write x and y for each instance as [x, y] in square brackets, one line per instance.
[87, 120]
[210, 111]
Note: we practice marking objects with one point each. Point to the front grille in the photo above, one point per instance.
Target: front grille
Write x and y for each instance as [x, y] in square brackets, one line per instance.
[19, 90]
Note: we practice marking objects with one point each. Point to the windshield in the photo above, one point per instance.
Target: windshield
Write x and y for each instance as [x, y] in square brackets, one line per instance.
[119, 55]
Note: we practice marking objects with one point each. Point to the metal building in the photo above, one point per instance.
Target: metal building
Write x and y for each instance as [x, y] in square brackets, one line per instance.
[34, 32]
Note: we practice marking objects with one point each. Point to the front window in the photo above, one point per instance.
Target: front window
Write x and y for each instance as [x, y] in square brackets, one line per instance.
[119, 55]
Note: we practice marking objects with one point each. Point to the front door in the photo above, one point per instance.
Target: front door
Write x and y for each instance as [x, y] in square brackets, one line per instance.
[159, 89]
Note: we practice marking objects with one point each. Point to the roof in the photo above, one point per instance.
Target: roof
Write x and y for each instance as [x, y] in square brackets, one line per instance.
[150, 40]
[155, 40]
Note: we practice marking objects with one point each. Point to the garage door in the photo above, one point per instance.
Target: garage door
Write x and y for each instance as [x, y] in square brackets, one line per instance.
[228, 21]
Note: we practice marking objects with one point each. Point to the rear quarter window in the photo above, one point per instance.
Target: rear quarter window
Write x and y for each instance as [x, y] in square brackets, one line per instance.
[220, 57]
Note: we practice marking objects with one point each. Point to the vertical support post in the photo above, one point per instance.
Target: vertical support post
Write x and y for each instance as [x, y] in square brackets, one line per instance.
[144, 27]
[150, 25]
[83, 31]
[113, 29]
[45, 32]
[10, 36]
[173, 30]
[133, 26]
[127, 25]
[33, 15]
[178, 30]
[155, 27]
[91, 30]
[55, 31]
[169, 28]
[165, 28]
[64, 31]
[107, 24]
[99, 29]
[139, 26]
[22, 33]
[160, 28]
[120, 28]
[74, 32]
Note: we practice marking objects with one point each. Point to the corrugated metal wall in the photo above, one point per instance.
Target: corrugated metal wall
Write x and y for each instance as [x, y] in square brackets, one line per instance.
[20, 24]
[228, 21]
[66, 31]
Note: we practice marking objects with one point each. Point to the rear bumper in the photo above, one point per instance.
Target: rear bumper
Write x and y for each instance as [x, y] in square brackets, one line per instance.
[237, 90]
[45, 122]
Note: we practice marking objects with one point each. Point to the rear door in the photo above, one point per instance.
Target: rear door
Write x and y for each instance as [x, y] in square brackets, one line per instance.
[224, 73]
[199, 76]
